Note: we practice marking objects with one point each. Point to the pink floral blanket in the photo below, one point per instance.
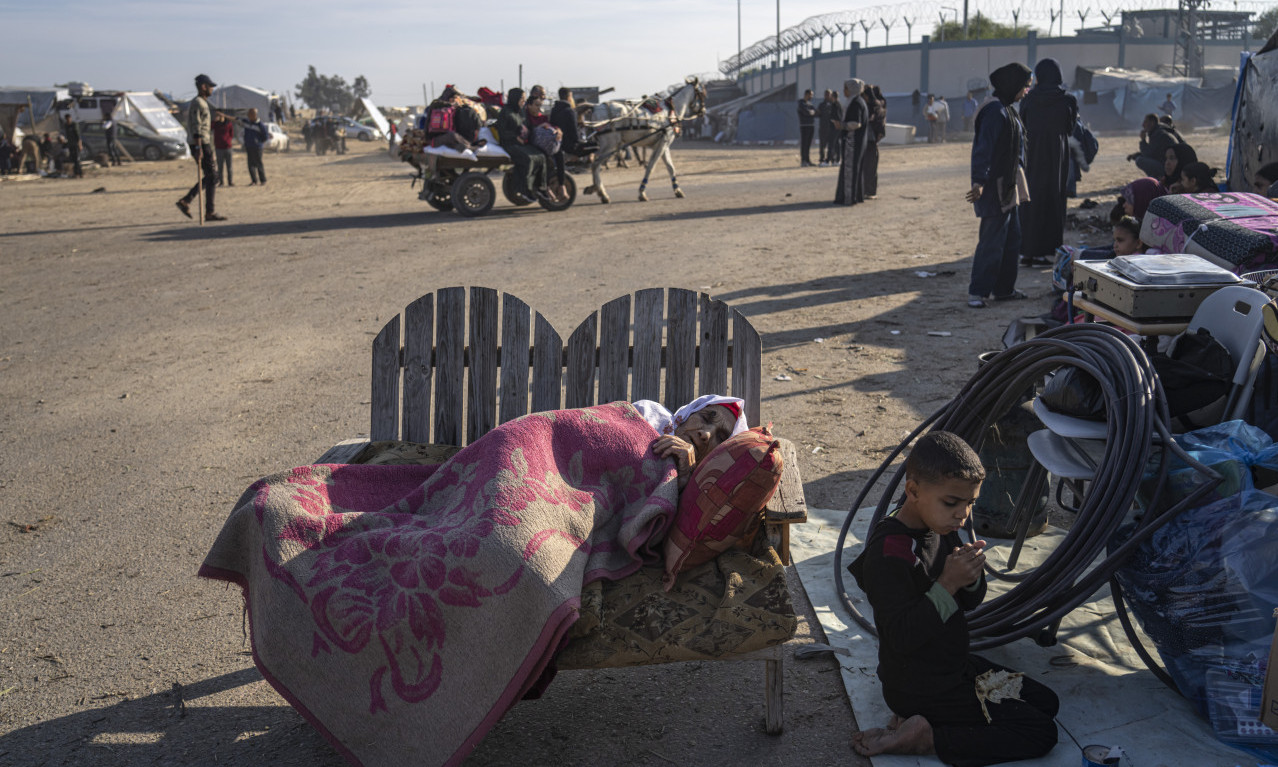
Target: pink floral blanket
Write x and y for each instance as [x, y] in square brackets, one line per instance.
[404, 609]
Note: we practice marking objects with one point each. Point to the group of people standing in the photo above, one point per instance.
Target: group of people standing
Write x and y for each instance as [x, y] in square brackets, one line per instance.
[849, 137]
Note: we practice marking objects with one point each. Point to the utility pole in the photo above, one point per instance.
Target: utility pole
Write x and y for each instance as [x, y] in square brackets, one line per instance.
[965, 37]
[425, 100]
[778, 33]
[739, 39]
[521, 77]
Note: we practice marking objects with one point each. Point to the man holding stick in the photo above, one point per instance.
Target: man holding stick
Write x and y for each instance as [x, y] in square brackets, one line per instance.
[199, 129]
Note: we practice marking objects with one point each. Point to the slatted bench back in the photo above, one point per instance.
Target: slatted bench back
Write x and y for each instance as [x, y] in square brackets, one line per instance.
[469, 365]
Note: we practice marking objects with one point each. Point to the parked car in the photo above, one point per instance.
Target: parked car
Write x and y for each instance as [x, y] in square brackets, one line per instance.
[138, 141]
[361, 132]
[278, 139]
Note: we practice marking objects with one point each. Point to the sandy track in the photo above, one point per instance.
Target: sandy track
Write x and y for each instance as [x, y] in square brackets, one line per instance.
[150, 369]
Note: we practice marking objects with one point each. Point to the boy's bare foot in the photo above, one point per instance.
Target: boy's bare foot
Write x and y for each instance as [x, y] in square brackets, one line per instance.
[894, 722]
[911, 736]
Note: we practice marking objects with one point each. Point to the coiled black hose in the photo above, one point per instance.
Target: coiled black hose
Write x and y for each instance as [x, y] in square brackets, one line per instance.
[1136, 418]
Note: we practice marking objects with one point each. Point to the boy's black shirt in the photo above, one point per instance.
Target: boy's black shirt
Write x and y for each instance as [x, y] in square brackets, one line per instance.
[917, 650]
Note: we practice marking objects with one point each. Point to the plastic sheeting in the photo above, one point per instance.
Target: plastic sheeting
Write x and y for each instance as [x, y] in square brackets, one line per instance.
[43, 101]
[1204, 586]
[1254, 141]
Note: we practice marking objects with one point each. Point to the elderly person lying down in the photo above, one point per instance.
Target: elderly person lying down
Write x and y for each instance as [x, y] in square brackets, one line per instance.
[403, 608]
[692, 431]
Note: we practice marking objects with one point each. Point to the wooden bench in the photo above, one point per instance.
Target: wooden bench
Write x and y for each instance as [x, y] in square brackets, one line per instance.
[460, 368]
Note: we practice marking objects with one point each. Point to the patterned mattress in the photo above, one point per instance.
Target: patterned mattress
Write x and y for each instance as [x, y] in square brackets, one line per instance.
[1238, 231]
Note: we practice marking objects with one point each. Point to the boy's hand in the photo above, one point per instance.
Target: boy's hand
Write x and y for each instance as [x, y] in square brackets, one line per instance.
[974, 193]
[963, 566]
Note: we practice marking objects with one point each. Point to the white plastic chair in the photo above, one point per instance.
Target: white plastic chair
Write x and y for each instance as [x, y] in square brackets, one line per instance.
[1071, 448]
[1233, 317]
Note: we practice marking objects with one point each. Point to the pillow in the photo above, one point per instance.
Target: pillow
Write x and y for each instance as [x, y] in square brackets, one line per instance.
[720, 507]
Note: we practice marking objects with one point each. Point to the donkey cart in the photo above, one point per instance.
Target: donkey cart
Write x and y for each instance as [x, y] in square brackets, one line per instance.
[461, 180]
[465, 186]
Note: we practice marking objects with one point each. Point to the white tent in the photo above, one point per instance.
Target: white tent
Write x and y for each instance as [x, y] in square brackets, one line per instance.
[44, 101]
[244, 97]
[132, 107]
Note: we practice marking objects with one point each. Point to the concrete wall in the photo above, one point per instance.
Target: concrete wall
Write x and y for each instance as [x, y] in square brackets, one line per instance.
[952, 68]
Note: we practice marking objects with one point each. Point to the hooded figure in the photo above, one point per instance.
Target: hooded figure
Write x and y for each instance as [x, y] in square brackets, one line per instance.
[1140, 193]
[1048, 113]
[877, 106]
[1185, 155]
[998, 187]
[853, 133]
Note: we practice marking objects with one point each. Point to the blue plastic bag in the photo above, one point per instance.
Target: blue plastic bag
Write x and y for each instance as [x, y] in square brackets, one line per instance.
[1235, 449]
[1204, 587]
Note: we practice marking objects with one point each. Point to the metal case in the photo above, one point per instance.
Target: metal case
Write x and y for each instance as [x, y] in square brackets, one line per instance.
[1098, 282]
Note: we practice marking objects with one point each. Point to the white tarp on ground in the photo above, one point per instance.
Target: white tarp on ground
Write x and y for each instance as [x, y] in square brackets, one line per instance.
[244, 97]
[1108, 697]
[378, 118]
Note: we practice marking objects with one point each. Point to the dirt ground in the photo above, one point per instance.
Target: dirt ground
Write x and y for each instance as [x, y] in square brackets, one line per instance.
[150, 369]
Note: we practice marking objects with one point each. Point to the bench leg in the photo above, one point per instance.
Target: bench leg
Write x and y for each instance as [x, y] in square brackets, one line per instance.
[774, 705]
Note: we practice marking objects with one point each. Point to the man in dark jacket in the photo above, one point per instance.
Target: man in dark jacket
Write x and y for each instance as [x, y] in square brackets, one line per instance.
[827, 112]
[72, 132]
[807, 122]
[255, 137]
[563, 116]
[1155, 139]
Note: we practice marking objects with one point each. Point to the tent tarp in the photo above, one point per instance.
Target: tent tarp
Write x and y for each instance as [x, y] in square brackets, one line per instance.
[243, 97]
[44, 101]
[1254, 139]
[378, 118]
[141, 108]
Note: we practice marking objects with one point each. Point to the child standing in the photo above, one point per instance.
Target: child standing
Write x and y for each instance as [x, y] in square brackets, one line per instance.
[920, 578]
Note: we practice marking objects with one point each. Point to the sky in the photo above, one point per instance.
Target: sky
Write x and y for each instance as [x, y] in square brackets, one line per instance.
[636, 47]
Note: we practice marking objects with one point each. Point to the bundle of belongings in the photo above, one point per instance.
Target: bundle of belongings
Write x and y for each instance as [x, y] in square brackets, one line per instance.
[402, 605]
[1235, 230]
[454, 125]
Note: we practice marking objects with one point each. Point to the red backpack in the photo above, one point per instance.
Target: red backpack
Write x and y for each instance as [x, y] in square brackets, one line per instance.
[491, 97]
[441, 120]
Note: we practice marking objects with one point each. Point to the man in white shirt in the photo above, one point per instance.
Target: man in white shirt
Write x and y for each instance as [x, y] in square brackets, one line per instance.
[942, 118]
[929, 111]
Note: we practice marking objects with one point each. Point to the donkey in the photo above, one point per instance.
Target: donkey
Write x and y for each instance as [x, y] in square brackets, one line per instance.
[618, 124]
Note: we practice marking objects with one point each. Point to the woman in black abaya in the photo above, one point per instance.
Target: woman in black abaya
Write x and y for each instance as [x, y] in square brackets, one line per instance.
[853, 130]
[877, 106]
[1048, 113]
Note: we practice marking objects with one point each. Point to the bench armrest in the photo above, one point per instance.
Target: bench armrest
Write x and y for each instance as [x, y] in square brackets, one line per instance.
[343, 451]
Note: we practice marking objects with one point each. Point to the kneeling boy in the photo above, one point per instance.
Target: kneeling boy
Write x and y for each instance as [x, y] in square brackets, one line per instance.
[920, 579]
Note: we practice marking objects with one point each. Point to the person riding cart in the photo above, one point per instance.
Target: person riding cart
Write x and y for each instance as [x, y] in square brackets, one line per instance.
[514, 134]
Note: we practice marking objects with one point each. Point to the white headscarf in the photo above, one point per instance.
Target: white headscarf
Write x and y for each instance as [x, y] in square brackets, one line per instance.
[854, 85]
[664, 422]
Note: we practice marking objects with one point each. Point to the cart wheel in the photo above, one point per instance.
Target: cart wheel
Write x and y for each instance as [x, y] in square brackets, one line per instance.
[508, 185]
[473, 194]
[439, 200]
[571, 186]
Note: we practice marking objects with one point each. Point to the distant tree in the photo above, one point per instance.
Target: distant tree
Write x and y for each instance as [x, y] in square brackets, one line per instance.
[978, 28]
[330, 92]
[1265, 24]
